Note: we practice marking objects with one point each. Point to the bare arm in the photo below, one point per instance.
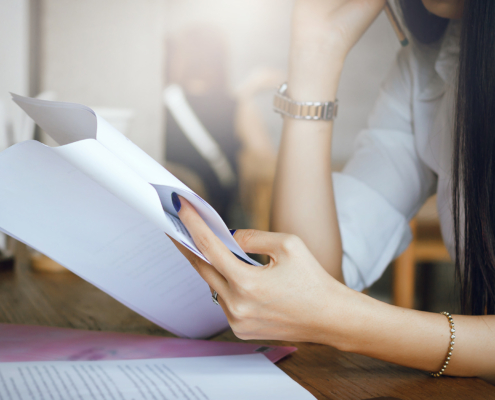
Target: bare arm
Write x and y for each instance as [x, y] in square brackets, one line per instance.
[303, 200]
[419, 339]
[323, 32]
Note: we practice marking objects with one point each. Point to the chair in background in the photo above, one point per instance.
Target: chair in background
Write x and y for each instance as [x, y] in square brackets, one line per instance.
[426, 246]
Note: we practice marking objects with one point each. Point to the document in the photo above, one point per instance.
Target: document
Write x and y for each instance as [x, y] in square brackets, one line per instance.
[101, 207]
[244, 377]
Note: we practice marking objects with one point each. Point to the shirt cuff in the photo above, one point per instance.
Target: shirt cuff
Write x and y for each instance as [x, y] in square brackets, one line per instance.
[373, 232]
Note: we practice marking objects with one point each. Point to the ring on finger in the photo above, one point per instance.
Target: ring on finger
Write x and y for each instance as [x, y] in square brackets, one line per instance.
[214, 297]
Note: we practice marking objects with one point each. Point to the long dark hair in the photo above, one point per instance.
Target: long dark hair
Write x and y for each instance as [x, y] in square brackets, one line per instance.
[473, 160]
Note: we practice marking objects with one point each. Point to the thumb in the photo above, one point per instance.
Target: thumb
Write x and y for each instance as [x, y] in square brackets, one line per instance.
[260, 242]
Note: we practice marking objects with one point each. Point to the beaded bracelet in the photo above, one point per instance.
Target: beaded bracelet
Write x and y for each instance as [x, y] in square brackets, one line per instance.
[451, 346]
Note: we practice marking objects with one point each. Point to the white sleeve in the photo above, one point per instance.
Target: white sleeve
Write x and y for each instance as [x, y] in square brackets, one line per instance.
[383, 185]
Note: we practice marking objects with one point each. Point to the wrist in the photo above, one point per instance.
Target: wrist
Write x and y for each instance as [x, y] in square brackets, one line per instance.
[375, 329]
[314, 74]
[350, 327]
[340, 322]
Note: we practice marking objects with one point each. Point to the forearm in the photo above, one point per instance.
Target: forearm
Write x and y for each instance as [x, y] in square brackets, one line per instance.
[416, 339]
[323, 32]
[303, 200]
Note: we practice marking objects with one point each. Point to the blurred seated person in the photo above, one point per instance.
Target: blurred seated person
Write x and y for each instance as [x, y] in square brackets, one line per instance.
[201, 145]
[216, 139]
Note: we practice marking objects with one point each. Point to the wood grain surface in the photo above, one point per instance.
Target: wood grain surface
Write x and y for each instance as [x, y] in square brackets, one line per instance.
[65, 300]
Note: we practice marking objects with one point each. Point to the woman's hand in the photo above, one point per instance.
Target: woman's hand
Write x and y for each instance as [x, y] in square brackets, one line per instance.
[323, 33]
[333, 24]
[290, 298]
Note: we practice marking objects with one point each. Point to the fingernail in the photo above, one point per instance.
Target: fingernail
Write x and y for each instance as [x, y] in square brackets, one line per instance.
[176, 201]
[232, 231]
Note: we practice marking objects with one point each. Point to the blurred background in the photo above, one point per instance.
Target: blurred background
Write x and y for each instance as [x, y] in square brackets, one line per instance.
[191, 82]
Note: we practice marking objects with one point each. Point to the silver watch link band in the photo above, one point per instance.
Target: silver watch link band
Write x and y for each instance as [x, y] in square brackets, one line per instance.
[308, 110]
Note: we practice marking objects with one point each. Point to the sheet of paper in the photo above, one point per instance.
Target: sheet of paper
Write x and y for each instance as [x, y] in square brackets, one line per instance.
[70, 123]
[43, 343]
[55, 208]
[97, 162]
[244, 377]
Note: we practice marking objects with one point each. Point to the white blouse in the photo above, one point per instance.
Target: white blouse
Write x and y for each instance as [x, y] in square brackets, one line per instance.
[403, 158]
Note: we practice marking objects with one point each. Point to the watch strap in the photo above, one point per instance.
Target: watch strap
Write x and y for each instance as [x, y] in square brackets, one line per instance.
[308, 110]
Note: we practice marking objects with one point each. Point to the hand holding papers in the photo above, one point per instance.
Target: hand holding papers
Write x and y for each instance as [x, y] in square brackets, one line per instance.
[101, 207]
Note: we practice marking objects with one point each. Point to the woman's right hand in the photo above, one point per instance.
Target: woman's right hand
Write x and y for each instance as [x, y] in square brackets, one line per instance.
[323, 33]
[335, 25]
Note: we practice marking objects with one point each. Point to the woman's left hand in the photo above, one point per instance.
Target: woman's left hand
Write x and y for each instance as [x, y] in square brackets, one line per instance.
[291, 298]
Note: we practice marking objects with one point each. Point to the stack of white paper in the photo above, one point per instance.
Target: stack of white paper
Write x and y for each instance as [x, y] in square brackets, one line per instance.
[245, 377]
[100, 206]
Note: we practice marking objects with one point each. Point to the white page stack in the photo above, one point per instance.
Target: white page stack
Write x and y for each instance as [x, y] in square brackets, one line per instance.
[246, 377]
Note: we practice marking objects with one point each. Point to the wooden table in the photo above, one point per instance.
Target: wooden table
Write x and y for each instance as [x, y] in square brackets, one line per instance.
[64, 300]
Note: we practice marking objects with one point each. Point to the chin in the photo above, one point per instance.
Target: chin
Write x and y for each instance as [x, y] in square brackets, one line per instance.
[451, 9]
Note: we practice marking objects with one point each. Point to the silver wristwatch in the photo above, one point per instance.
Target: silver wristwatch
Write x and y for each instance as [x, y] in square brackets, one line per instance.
[310, 110]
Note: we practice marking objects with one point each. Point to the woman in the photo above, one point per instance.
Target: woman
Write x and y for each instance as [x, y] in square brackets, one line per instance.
[429, 132]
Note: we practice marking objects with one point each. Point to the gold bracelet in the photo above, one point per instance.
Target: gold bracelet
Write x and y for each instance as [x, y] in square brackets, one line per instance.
[451, 345]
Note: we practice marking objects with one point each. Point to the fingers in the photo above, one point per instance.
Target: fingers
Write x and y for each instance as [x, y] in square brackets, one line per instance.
[269, 243]
[225, 308]
[257, 242]
[214, 279]
[220, 301]
[207, 242]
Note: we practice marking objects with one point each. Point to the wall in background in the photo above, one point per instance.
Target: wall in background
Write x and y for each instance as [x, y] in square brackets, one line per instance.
[108, 54]
[14, 51]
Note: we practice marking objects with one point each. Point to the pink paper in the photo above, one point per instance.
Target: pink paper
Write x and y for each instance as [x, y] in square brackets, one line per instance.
[39, 343]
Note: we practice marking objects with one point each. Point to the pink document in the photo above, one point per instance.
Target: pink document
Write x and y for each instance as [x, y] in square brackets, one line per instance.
[39, 343]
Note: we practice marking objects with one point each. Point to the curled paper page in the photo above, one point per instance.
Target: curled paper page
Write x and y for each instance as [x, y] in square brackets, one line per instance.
[101, 207]
[98, 149]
